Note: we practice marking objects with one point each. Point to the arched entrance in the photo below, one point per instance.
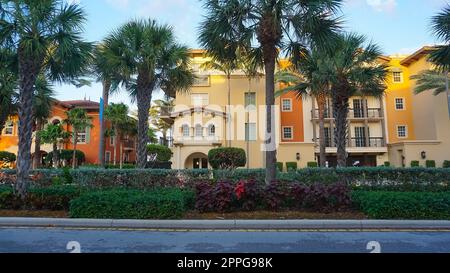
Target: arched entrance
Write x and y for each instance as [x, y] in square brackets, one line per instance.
[196, 161]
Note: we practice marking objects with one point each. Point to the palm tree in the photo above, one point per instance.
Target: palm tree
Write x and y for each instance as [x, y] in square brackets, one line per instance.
[155, 116]
[433, 80]
[353, 69]
[226, 63]
[286, 25]
[47, 36]
[117, 114]
[42, 105]
[309, 77]
[79, 120]
[154, 61]
[53, 134]
[8, 86]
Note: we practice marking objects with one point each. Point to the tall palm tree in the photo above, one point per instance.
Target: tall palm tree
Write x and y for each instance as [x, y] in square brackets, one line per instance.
[47, 36]
[117, 114]
[155, 60]
[53, 134]
[79, 120]
[227, 63]
[309, 77]
[42, 106]
[353, 69]
[8, 85]
[286, 25]
[431, 80]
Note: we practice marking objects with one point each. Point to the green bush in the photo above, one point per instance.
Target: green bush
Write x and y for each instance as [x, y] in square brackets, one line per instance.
[430, 164]
[280, 166]
[168, 203]
[403, 205]
[312, 164]
[291, 166]
[163, 153]
[446, 164]
[415, 164]
[66, 155]
[7, 157]
[227, 158]
[387, 164]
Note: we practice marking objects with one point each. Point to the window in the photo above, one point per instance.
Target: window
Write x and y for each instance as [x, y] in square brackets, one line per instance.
[198, 130]
[250, 101]
[286, 105]
[287, 133]
[112, 141]
[402, 131]
[185, 130]
[397, 77]
[399, 104]
[360, 137]
[358, 108]
[9, 128]
[327, 131]
[250, 132]
[82, 137]
[199, 99]
[201, 81]
[107, 156]
[211, 130]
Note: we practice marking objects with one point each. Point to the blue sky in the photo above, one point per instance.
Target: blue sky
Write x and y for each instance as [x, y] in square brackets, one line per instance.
[398, 26]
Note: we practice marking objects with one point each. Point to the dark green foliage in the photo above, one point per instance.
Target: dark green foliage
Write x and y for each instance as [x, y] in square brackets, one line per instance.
[415, 164]
[403, 205]
[430, 164]
[227, 158]
[291, 166]
[312, 164]
[280, 166]
[7, 157]
[163, 152]
[446, 164]
[66, 155]
[387, 164]
[169, 203]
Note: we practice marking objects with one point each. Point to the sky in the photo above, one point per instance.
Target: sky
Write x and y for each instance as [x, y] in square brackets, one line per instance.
[397, 26]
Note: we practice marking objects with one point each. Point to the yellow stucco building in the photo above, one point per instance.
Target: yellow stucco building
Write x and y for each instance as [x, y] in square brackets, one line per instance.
[398, 127]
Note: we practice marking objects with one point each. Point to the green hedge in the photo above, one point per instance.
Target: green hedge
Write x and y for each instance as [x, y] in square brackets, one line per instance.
[163, 152]
[166, 203]
[446, 164]
[403, 205]
[312, 164]
[430, 164]
[280, 166]
[7, 157]
[227, 158]
[50, 198]
[415, 164]
[66, 155]
[291, 166]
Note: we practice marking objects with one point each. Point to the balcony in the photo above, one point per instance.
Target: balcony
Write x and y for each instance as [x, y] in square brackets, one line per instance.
[198, 141]
[354, 114]
[165, 114]
[357, 142]
[129, 144]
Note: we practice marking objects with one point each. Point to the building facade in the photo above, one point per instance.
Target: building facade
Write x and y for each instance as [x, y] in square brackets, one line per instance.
[398, 127]
[88, 140]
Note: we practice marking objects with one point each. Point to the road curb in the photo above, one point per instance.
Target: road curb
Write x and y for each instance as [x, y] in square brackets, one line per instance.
[224, 224]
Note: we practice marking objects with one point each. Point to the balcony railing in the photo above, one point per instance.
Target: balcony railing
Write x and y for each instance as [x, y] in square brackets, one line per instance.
[372, 113]
[128, 144]
[358, 142]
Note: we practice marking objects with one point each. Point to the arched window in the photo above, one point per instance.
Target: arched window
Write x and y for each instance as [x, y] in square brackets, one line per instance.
[56, 122]
[198, 130]
[211, 130]
[185, 130]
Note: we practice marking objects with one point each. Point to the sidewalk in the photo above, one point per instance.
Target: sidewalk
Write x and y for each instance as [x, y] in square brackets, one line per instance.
[227, 224]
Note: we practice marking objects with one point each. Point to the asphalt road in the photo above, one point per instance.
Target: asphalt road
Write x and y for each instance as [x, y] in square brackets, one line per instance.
[58, 240]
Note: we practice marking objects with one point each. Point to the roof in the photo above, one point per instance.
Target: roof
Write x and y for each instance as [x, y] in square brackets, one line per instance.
[85, 104]
[417, 55]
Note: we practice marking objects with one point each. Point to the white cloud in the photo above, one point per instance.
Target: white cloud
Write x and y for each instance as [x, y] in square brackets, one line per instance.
[119, 4]
[382, 5]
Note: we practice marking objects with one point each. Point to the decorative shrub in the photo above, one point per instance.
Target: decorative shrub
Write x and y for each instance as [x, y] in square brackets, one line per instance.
[249, 194]
[430, 164]
[7, 157]
[403, 205]
[227, 158]
[276, 194]
[291, 166]
[280, 166]
[169, 203]
[312, 164]
[163, 153]
[387, 164]
[66, 155]
[415, 164]
[446, 164]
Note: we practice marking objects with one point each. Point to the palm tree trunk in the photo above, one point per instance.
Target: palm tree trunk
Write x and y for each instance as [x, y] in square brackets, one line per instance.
[74, 158]
[102, 147]
[229, 108]
[115, 149]
[340, 105]
[55, 155]
[321, 100]
[270, 149]
[28, 70]
[121, 155]
[37, 145]
[144, 97]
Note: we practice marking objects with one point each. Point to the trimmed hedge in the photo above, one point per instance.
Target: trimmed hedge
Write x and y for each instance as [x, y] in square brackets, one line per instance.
[313, 164]
[415, 164]
[7, 157]
[227, 158]
[167, 203]
[163, 152]
[280, 166]
[291, 166]
[430, 164]
[403, 205]
[446, 164]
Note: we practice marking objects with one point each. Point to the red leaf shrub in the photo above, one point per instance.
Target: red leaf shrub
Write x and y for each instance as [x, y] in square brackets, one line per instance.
[276, 194]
